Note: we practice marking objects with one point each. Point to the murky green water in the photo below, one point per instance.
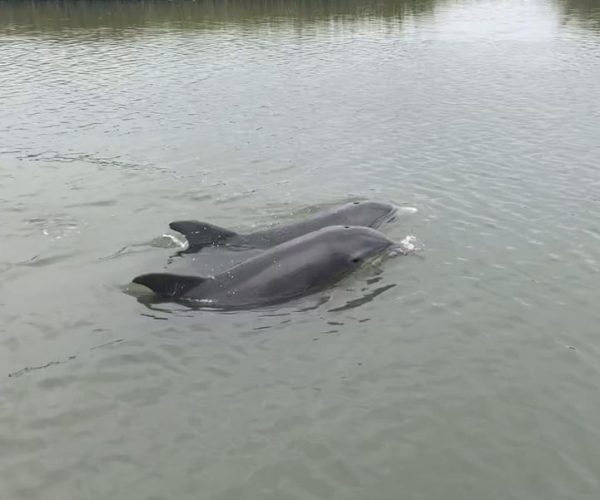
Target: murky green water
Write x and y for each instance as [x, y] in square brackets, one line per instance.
[475, 377]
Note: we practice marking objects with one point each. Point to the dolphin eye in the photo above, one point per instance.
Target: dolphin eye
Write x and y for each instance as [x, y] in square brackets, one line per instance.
[356, 260]
[356, 203]
[346, 227]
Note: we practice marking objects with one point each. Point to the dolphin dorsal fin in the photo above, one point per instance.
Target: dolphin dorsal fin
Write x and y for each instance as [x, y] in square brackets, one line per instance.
[201, 234]
[168, 285]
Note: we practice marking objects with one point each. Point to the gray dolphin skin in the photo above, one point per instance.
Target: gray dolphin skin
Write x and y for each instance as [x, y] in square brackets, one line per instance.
[298, 267]
[357, 213]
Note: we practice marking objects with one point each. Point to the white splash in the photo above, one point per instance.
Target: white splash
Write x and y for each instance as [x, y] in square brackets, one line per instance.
[204, 302]
[407, 246]
[407, 210]
[168, 241]
[409, 243]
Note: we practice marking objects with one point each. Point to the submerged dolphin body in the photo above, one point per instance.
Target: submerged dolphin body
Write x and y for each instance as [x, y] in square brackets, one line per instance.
[296, 268]
[357, 213]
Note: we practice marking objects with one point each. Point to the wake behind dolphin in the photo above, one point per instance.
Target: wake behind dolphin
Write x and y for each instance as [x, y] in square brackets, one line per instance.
[357, 213]
[293, 269]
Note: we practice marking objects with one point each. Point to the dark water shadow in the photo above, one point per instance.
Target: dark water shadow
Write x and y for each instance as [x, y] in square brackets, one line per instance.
[365, 299]
[28, 369]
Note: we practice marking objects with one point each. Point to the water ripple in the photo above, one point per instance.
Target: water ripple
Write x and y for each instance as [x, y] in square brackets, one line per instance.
[475, 365]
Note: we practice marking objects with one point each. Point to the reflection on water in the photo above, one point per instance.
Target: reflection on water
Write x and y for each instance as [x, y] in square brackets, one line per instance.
[117, 17]
[584, 12]
[123, 15]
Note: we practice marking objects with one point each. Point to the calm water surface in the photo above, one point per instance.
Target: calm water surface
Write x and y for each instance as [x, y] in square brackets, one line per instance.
[468, 372]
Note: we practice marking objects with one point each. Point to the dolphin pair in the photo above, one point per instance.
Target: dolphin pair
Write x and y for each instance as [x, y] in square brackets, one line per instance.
[300, 258]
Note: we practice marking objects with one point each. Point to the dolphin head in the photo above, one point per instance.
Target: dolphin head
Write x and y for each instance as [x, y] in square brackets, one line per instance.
[356, 244]
[368, 213]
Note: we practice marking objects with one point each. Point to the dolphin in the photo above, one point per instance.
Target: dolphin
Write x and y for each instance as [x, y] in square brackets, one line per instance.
[357, 213]
[298, 267]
